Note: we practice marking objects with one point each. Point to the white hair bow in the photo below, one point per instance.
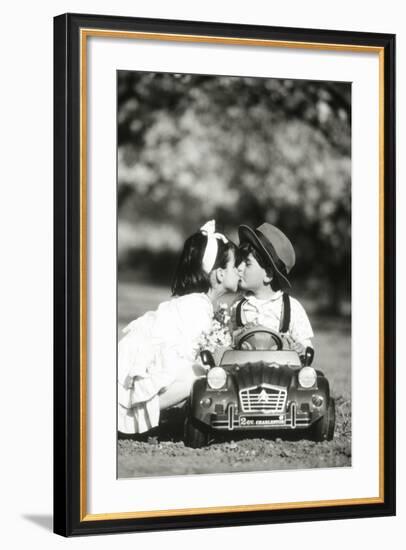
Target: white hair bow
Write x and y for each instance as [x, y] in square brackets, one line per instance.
[210, 254]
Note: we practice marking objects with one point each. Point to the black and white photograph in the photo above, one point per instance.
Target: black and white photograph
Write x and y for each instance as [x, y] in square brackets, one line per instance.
[233, 274]
[202, 286]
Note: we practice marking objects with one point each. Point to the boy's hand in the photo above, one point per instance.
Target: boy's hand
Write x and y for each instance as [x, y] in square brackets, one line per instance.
[246, 346]
[298, 348]
[294, 345]
[301, 351]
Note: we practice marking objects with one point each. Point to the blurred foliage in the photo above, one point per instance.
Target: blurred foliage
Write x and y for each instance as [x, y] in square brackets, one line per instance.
[240, 150]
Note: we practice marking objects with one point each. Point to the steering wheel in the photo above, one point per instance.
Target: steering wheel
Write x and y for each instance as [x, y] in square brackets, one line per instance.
[262, 338]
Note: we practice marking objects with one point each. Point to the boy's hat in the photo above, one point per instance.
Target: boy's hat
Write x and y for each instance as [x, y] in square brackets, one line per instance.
[273, 247]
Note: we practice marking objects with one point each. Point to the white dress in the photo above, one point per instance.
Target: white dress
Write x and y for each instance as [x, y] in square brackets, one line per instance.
[155, 350]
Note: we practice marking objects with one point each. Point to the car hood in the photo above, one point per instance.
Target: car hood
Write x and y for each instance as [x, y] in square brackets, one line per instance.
[256, 374]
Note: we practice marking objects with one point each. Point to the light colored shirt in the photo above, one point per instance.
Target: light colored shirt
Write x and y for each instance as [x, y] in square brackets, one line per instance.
[268, 313]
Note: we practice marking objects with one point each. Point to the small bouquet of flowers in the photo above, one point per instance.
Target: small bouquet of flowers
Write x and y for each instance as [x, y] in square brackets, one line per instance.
[219, 336]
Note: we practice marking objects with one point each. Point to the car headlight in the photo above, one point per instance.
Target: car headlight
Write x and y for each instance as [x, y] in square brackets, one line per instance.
[307, 377]
[216, 378]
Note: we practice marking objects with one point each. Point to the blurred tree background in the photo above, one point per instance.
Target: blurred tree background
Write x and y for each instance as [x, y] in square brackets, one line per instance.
[239, 150]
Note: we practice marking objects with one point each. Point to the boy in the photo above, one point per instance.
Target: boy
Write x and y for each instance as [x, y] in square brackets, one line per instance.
[266, 258]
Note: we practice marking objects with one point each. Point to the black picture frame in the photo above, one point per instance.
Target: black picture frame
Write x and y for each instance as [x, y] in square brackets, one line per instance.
[69, 516]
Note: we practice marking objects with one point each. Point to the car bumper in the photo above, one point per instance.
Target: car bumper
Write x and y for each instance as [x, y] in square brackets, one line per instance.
[233, 420]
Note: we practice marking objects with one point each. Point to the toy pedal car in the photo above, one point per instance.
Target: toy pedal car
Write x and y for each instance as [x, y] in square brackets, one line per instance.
[259, 390]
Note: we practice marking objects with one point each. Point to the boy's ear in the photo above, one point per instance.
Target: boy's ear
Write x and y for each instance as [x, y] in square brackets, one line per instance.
[267, 279]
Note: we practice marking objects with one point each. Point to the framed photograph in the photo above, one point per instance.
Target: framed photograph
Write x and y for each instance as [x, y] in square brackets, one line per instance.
[224, 274]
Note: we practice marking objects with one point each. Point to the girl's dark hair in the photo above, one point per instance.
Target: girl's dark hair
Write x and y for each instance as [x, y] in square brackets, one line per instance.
[190, 276]
[244, 250]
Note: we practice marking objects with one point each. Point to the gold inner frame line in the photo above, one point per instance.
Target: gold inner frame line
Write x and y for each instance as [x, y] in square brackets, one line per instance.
[84, 34]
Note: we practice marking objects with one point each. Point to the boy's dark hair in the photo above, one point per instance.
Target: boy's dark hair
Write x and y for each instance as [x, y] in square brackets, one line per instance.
[189, 275]
[244, 250]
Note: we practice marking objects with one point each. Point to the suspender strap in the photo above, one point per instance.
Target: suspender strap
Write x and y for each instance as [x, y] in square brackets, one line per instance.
[285, 317]
[238, 318]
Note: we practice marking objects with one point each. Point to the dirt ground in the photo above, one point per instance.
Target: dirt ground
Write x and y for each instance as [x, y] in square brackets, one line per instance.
[164, 456]
[163, 453]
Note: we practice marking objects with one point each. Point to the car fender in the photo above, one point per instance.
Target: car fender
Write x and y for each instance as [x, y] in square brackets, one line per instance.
[200, 391]
[303, 397]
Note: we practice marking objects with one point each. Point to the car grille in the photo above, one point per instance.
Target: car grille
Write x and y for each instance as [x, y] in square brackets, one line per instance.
[264, 398]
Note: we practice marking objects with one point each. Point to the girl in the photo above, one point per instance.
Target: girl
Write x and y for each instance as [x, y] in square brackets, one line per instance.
[158, 357]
